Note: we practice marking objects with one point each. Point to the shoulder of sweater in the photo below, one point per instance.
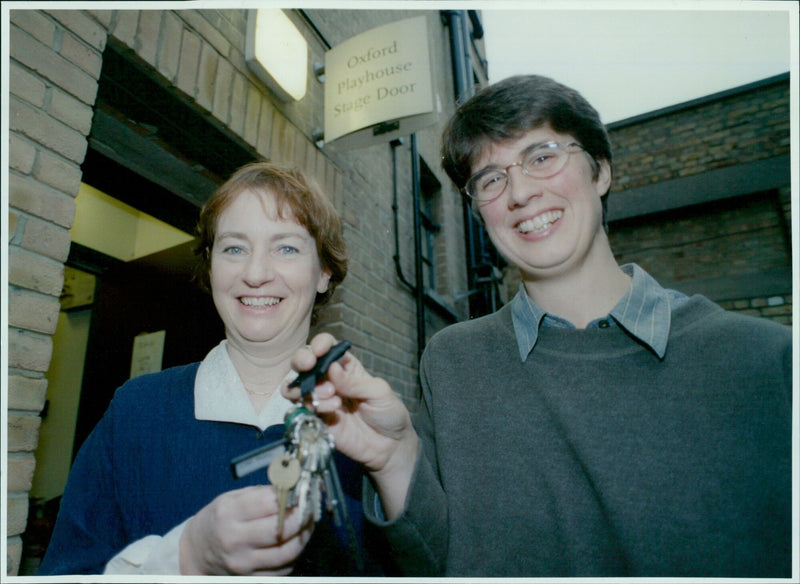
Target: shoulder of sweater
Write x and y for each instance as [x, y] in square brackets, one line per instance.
[467, 331]
[700, 312]
[157, 384]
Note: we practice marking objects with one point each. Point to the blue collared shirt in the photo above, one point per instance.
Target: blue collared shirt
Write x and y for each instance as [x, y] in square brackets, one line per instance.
[644, 312]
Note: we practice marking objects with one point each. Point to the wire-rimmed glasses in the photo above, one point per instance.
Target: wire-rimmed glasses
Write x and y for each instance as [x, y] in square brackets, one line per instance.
[538, 161]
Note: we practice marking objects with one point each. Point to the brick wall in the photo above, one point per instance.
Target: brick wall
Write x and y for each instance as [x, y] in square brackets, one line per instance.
[55, 63]
[729, 241]
[724, 240]
[777, 308]
[732, 130]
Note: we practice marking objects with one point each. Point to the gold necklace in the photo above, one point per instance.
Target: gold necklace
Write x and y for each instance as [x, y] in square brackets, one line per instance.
[268, 392]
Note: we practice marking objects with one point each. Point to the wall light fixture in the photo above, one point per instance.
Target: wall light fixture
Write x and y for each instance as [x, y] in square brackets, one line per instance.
[277, 53]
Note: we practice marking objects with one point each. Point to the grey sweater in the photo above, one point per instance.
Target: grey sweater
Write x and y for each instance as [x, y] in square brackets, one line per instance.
[596, 458]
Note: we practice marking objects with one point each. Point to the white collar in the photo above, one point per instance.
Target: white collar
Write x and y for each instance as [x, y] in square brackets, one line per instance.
[220, 396]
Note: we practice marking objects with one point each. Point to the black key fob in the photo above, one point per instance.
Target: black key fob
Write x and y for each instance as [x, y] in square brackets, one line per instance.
[309, 379]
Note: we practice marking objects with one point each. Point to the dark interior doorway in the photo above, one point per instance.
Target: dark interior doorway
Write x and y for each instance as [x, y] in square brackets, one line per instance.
[154, 293]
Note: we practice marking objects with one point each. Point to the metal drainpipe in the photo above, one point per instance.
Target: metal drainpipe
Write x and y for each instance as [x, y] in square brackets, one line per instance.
[417, 288]
[464, 88]
[397, 267]
[420, 290]
[459, 52]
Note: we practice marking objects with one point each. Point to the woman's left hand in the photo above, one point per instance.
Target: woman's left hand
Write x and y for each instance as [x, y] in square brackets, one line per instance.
[237, 534]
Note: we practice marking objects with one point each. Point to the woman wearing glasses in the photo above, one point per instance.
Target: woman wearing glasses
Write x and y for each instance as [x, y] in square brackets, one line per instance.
[596, 425]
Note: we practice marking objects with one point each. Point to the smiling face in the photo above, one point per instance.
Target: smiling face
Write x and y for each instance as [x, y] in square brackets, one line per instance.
[265, 273]
[546, 227]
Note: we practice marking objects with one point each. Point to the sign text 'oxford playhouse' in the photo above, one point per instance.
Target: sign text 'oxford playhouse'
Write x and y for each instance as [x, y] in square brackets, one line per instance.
[378, 84]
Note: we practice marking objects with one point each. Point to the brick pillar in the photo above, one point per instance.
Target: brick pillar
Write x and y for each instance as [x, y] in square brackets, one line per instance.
[55, 61]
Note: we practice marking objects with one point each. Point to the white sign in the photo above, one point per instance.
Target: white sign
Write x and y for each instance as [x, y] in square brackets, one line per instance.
[378, 85]
[148, 352]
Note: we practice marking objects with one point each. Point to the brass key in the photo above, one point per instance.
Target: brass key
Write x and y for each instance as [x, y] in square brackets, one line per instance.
[283, 473]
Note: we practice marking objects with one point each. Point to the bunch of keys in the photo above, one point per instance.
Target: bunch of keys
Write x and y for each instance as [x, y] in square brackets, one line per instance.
[301, 466]
[304, 484]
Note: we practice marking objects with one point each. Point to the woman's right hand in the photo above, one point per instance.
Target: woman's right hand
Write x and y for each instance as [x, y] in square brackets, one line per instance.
[237, 533]
[368, 421]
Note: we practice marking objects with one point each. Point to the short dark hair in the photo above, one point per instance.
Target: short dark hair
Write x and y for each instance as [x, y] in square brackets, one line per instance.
[508, 109]
[293, 192]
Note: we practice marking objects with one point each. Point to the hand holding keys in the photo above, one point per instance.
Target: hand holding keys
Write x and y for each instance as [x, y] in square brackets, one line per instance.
[307, 380]
[305, 474]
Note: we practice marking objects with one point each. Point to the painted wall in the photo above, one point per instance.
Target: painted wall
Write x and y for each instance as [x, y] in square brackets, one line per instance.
[54, 454]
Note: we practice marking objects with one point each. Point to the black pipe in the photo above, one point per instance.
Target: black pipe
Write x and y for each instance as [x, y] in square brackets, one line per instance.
[477, 27]
[458, 52]
[455, 18]
[396, 257]
[417, 289]
[464, 87]
[420, 290]
[442, 309]
[312, 25]
[477, 34]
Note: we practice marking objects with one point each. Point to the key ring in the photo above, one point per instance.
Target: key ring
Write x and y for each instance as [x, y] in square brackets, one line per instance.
[314, 402]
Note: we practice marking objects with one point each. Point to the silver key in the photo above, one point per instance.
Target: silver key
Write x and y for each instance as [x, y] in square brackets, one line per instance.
[313, 446]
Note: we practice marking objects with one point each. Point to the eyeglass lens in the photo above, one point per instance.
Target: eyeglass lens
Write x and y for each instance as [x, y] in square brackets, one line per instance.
[541, 162]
